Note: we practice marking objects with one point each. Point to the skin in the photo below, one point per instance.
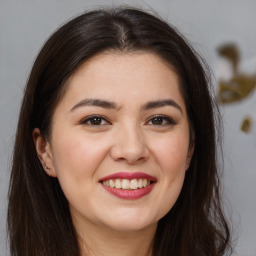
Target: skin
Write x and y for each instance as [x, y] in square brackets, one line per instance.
[127, 139]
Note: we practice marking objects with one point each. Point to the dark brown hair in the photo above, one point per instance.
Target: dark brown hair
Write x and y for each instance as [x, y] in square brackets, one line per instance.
[39, 221]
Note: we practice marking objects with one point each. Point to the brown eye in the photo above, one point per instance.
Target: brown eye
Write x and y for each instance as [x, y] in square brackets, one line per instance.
[157, 121]
[161, 120]
[95, 121]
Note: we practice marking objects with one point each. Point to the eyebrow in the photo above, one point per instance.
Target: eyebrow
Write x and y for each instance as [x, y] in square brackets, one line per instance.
[112, 105]
[97, 103]
[162, 103]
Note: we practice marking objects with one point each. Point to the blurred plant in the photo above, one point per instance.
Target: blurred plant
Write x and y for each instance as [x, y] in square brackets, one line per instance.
[246, 125]
[240, 85]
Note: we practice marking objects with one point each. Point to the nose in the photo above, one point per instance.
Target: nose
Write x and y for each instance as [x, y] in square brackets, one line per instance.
[129, 146]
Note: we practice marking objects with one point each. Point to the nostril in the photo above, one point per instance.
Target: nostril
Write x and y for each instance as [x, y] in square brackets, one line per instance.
[129, 146]
[130, 156]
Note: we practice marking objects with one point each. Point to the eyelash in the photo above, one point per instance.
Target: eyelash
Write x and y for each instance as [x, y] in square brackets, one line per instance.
[162, 118]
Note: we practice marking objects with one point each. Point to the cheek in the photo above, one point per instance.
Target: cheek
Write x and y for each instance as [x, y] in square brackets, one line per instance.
[77, 156]
[171, 154]
[76, 161]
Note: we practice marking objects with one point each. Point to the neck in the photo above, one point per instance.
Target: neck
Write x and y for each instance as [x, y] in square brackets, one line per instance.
[95, 241]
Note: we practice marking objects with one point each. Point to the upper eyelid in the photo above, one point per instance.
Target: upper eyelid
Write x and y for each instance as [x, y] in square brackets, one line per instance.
[162, 116]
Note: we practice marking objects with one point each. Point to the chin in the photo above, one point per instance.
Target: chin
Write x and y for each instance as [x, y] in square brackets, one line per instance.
[133, 226]
[129, 221]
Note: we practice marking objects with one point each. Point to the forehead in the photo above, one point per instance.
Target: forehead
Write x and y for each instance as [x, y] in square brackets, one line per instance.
[119, 76]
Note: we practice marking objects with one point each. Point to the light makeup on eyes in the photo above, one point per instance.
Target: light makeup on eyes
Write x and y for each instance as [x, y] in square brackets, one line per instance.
[156, 120]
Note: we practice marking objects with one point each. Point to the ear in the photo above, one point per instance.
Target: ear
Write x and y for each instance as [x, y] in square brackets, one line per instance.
[189, 155]
[44, 152]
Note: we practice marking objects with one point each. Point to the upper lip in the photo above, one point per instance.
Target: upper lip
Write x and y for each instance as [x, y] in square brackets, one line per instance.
[129, 176]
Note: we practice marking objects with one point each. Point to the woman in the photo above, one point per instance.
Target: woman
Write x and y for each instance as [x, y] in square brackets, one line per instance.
[115, 150]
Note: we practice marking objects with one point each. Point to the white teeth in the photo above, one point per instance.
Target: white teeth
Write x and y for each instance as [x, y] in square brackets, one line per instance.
[118, 183]
[133, 184]
[144, 183]
[111, 183]
[126, 184]
[140, 183]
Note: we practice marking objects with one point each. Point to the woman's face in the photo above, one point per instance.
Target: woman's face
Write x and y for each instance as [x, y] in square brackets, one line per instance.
[120, 141]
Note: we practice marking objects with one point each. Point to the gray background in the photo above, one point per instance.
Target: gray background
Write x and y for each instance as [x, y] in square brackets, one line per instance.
[26, 24]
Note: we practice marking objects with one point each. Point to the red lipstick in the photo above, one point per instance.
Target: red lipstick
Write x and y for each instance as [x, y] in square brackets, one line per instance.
[130, 194]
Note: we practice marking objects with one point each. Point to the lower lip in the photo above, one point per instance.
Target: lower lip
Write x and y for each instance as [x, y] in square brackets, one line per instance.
[129, 194]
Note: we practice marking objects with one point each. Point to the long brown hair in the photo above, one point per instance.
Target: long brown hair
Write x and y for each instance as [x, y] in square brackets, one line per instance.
[39, 221]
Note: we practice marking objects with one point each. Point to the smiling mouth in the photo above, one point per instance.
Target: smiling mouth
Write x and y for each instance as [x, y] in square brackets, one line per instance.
[126, 184]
